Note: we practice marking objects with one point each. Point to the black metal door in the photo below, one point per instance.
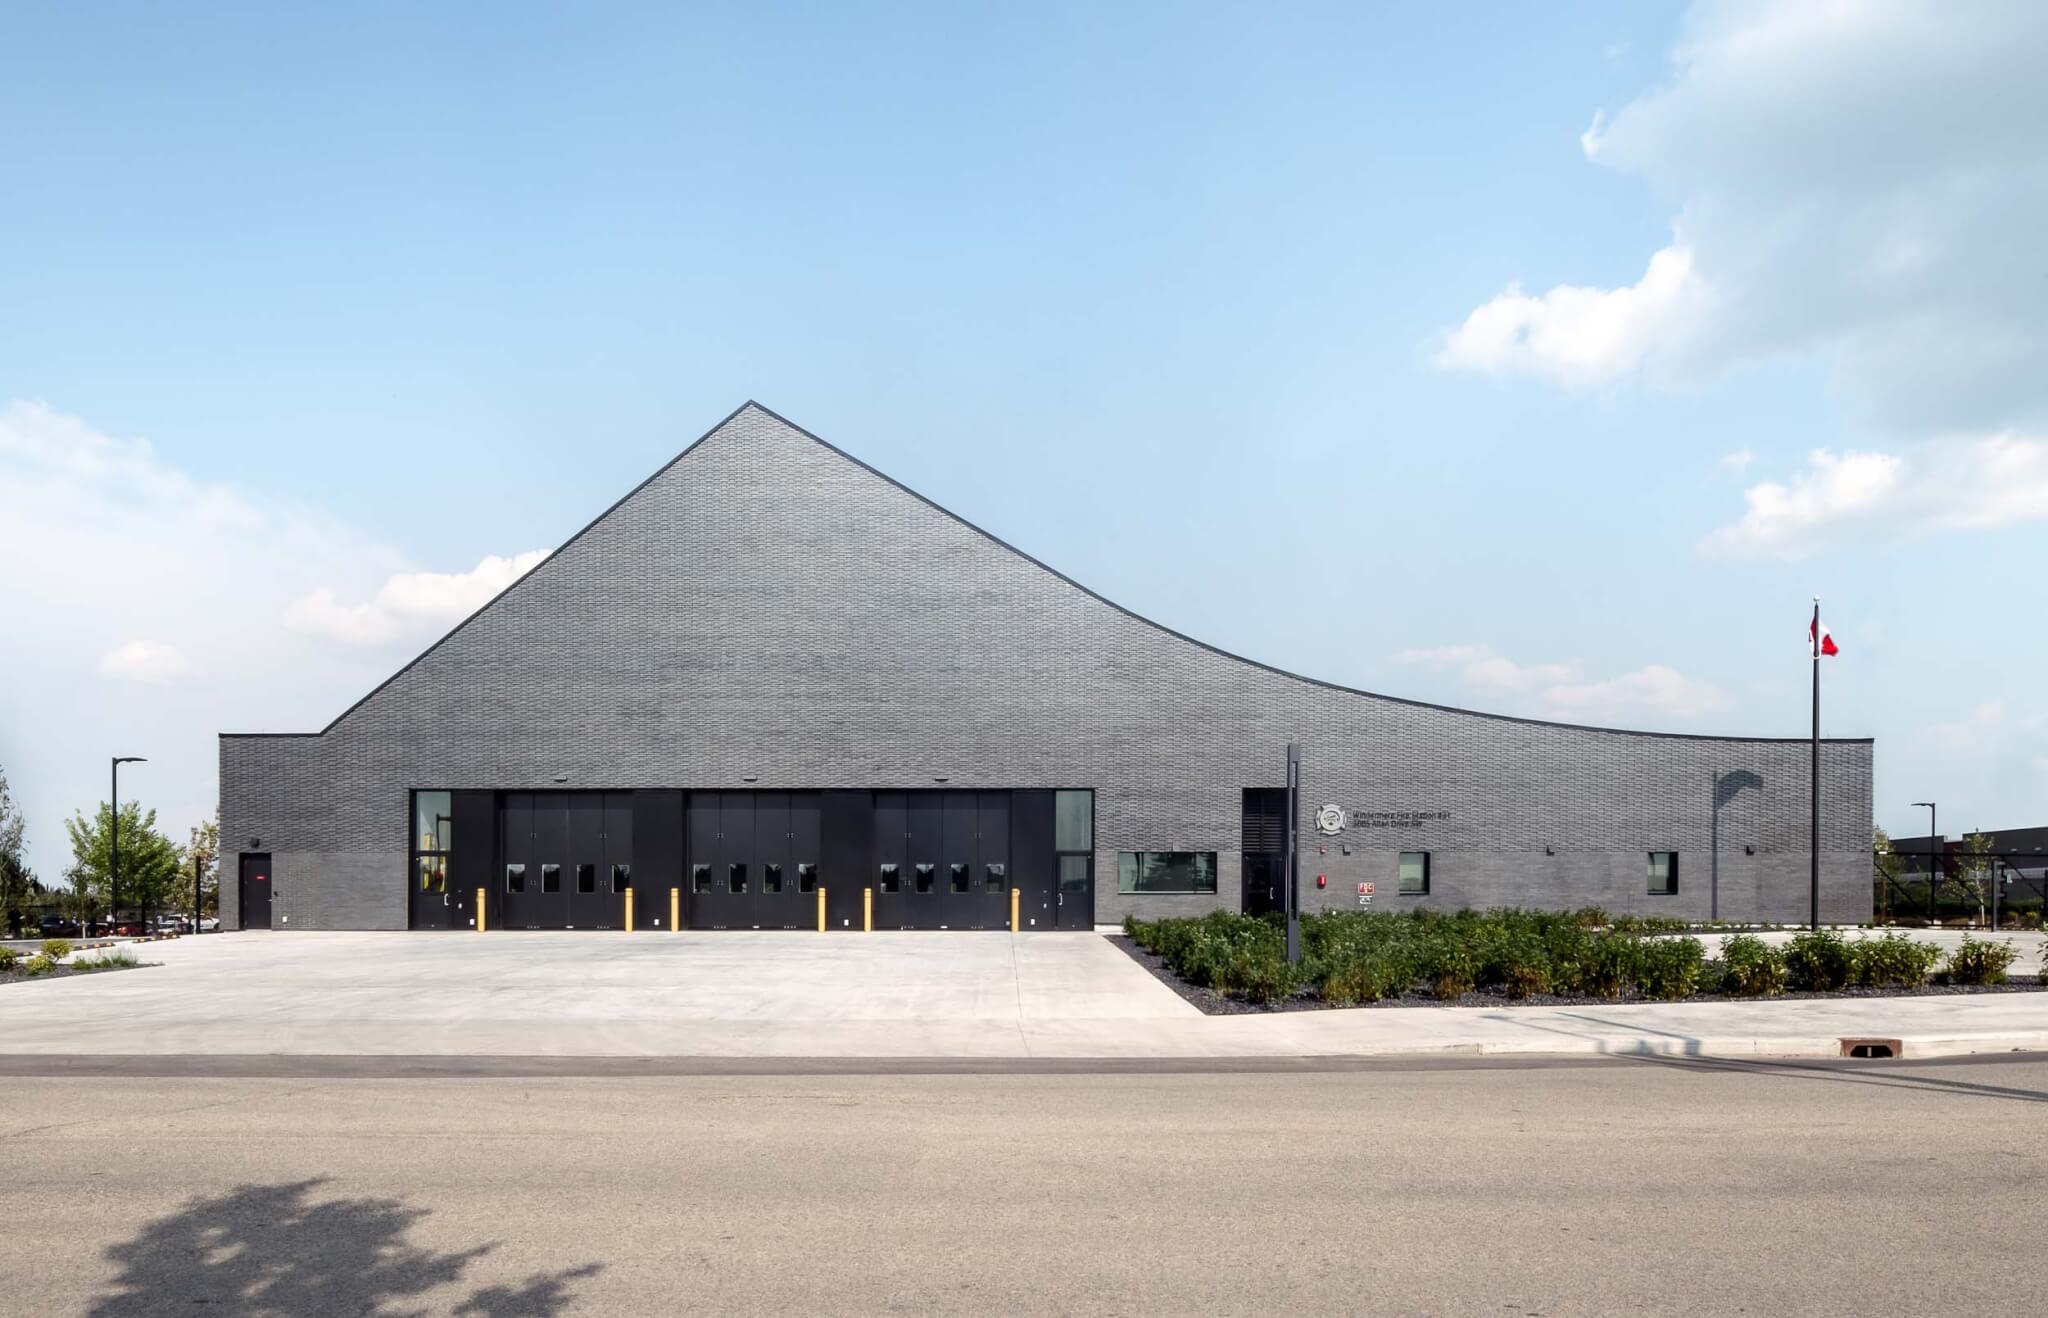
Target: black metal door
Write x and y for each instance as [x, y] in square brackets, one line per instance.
[960, 904]
[705, 909]
[1262, 882]
[615, 870]
[775, 904]
[805, 836]
[515, 872]
[1031, 859]
[892, 868]
[1077, 891]
[655, 851]
[430, 893]
[733, 871]
[847, 831]
[255, 891]
[588, 899]
[549, 876]
[473, 862]
[992, 880]
[924, 842]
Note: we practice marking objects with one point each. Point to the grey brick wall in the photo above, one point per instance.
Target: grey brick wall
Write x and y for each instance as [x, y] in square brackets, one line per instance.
[767, 607]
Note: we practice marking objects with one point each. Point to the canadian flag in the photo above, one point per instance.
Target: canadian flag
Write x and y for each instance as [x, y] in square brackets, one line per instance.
[1817, 637]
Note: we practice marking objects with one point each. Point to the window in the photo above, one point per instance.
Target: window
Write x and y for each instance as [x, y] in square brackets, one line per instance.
[700, 878]
[586, 878]
[622, 878]
[996, 878]
[433, 873]
[927, 875]
[1073, 816]
[963, 877]
[432, 828]
[735, 878]
[1166, 871]
[771, 878]
[892, 879]
[806, 876]
[1414, 874]
[515, 878]
[1663, 873]
[551, 878]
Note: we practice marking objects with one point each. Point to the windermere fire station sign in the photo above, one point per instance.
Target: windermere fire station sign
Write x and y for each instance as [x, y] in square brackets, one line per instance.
[1334, 819]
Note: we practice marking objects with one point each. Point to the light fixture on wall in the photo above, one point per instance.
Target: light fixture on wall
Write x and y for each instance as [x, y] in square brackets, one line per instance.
[1749, 848]
[941, 778]
[561, 777]
[255, 842]
[1549, 851]
[750, 777]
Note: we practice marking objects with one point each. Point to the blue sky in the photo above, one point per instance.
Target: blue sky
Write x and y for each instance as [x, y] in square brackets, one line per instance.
[1346, 338]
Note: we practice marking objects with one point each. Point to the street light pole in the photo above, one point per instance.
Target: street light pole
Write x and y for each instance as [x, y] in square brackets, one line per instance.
[114, 840]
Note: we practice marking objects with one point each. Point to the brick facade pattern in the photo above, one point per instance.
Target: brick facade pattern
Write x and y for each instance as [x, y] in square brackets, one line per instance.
[766, 610]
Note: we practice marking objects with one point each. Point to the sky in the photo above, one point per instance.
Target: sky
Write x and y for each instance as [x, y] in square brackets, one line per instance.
[1543, 359]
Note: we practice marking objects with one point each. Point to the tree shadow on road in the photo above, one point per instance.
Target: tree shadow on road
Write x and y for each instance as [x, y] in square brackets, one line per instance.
[266, 1250]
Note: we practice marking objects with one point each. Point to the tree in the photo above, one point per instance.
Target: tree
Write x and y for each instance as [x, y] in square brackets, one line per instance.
[149, 860]
[1886, 866]
[18, 887]
[1973, 871]
[204, 849]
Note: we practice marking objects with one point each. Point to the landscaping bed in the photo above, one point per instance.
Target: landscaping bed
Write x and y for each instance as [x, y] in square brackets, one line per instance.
[1224, 963]
[49, 963]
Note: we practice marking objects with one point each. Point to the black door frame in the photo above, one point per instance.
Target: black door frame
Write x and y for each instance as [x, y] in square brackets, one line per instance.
[259, 861]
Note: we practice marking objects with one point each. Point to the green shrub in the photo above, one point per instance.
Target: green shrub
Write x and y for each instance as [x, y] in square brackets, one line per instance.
[1819, 961]
[39, 964]
[8, 957]
[1670, 967]
[1894, 959]
[1978, 962]
[1751, 968]
[1613, 964]
[1590, 917]
[1265, 979]
[56, 948]
[105, 961]
[1451, 967]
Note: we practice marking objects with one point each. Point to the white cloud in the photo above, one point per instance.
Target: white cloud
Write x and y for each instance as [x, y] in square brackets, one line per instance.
[1581, 336]
[1944, 485]
[123, 572]
[1862, 184]
[1738, 461]
[144, 661]
[409, 604]
[1558, 691]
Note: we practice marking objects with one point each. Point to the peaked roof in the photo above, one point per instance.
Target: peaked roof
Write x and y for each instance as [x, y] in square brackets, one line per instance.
[751, 405]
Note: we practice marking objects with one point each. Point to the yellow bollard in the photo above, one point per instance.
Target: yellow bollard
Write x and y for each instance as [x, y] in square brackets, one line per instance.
[1013, 910]
[675, 909]
[867, 910]
[629, 910]
[479, 910]
[821, 910]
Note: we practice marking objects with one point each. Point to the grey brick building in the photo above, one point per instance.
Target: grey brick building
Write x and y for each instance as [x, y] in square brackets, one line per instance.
[770, 671]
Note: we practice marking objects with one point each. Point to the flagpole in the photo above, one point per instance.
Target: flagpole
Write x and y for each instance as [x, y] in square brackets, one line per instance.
[1814, 774]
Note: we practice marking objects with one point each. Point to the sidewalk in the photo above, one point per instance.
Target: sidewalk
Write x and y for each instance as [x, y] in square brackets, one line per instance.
[792, 995]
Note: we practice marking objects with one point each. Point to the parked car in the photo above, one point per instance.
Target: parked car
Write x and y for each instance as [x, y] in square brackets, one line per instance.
[58, 926]
[169, 924]
[209, 924]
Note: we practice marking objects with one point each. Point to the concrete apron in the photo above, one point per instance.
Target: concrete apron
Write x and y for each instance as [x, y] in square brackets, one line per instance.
[792, 995]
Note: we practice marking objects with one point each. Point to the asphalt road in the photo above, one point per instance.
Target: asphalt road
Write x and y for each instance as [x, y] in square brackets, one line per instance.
[1622, 1187]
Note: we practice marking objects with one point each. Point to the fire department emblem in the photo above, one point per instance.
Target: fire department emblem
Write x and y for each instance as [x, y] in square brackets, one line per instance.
[1330, 820]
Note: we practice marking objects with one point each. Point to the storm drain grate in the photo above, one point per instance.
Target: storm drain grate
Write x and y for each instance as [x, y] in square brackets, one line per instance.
[1872, 1048]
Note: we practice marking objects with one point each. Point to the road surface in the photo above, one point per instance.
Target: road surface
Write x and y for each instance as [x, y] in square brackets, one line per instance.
[1611, 1187]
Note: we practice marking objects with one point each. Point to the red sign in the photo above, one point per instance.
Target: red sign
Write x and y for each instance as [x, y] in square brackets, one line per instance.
[1365, 889]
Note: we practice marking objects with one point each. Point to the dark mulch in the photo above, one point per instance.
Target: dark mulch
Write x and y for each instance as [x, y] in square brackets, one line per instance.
[1213, 1003]
[64, 972]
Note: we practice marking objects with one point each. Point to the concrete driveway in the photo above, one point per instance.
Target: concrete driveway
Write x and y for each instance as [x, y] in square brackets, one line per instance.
[541, 993]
